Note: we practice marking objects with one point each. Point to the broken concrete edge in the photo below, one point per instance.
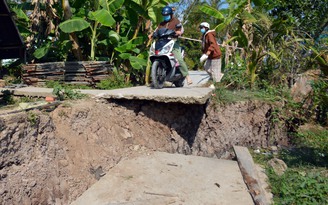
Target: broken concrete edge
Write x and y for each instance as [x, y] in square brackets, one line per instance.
[165, 99]
[16, 92]
[193, 98]
[250, 175]
[162, 98]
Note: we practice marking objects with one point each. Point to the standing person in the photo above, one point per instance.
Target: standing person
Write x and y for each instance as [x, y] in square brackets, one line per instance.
[172, 23]
[211, 53]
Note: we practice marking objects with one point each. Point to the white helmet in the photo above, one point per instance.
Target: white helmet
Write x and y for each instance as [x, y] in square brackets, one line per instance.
[204, 24]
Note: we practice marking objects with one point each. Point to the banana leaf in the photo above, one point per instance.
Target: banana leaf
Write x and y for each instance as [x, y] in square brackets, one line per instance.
[137, 63]
[41, 52]
[74, 25]
[212, 12]
[114, 5]
[104, 17]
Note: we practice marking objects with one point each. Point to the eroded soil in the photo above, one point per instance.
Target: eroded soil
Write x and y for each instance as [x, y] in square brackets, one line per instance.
[53, 157]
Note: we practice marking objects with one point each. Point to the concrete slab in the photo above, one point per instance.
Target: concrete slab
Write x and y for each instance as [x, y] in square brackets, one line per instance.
[186, 95]
[163, 178]
[30, 91]
[192, 94]
[199, 78]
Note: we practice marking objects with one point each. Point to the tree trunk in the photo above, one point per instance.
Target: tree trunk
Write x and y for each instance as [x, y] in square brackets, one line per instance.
[72, 36]
[140, 20]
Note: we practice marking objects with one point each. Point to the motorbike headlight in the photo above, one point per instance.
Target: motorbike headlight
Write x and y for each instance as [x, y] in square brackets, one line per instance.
[167, 48]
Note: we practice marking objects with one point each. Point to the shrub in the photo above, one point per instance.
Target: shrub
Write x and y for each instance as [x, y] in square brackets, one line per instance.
[298, 186]
[117, 80]
[65, 93]
[7, 98]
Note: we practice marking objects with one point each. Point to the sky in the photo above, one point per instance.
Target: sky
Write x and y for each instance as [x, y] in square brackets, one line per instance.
[182, 5]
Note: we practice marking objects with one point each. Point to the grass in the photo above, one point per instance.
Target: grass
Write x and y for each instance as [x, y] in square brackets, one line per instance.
[115, 81]
[299, 186]
[223, 95]
[53, 84]
[306, 179]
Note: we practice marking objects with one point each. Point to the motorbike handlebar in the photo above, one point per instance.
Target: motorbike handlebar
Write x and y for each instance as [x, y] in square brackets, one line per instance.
[164, 33]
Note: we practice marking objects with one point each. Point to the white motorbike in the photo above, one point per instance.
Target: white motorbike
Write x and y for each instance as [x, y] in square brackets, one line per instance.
[164, 65]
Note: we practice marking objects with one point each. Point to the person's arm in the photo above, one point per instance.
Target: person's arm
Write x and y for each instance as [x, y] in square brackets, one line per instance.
[209, 50]
[179, 29]
[212, 42]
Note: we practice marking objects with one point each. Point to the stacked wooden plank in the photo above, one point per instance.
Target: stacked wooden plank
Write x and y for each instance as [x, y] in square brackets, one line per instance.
[80, 72]
[97, 71]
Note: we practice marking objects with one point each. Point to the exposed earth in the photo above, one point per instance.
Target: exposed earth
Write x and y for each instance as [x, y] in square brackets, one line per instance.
[160, 178]
[53, 156]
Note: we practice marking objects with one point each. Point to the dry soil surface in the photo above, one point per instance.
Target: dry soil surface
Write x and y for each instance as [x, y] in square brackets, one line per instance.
[53, 156]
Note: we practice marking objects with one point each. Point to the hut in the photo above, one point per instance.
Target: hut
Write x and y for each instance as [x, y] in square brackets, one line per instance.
[11, 43]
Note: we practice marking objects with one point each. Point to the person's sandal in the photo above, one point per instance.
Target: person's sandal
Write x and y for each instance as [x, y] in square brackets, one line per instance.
[189, 83]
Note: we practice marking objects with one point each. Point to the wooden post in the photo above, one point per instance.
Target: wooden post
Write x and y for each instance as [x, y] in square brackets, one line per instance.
[247, 168]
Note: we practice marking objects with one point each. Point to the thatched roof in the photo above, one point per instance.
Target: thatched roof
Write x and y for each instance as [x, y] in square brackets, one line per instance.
[11, 43]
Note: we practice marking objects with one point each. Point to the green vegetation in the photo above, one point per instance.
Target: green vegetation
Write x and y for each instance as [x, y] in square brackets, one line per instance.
[262, 41]
[311, 148]
[53, 84]
[117, 80]
[66, 93]
[224, 96]
[114, 31]
[32, 118]
[300, 186]
[305, 180]
[6, 98]
[266, 46]
[274, 95]
[320, 99]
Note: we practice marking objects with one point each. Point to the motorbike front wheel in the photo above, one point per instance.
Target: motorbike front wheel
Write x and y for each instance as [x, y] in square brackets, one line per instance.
[158, 74]
[180, 82]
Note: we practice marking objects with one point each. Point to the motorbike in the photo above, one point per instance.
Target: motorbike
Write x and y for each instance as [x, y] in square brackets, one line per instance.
[164, 65]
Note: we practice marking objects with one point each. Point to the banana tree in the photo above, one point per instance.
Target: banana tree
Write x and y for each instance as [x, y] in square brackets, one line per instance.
[321, 56]
[129, 55]
[248, 27]
[73, 37]
[227, 19]
[144, 12]
[39, 27]
[100, 17]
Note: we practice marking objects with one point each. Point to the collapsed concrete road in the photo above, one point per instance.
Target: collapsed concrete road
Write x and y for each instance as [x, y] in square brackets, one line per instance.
[155, 177]
[162, 178]
[183, 95]
[192, 94]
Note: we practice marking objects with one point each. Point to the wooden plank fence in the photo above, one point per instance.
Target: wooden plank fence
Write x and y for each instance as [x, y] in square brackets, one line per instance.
[78, 72]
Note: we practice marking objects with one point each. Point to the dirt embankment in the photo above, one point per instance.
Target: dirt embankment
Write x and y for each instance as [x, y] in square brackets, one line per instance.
[52, 158]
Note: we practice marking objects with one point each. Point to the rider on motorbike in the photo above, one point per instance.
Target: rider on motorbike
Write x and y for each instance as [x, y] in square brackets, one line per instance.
[172, 23]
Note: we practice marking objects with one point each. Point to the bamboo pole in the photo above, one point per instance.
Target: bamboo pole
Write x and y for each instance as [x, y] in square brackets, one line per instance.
[191, 39]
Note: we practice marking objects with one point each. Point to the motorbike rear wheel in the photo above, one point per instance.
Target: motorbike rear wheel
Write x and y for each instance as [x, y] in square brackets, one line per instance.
[158, 74]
